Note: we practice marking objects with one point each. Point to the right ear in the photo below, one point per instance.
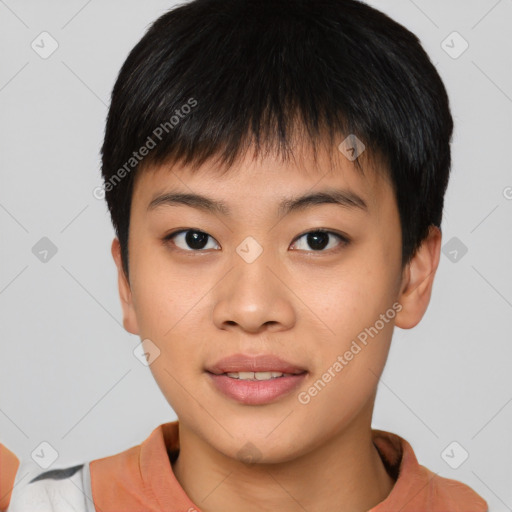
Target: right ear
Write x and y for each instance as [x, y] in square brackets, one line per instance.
[125, 292]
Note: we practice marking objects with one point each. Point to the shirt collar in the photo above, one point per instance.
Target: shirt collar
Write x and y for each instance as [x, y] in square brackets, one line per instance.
[142, 476]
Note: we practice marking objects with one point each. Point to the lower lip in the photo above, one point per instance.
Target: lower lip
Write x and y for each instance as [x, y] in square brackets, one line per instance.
[256, 392]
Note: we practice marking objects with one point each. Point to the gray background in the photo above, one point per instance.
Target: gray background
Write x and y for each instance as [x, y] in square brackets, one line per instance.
[67, 372]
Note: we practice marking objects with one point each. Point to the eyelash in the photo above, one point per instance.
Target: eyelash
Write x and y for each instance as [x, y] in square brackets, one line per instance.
[342, 238]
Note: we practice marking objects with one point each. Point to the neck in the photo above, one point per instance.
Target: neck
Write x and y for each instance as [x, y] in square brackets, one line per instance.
[346, 473]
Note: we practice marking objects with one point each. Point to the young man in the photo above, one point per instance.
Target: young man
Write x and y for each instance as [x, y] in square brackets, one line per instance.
[275, 171]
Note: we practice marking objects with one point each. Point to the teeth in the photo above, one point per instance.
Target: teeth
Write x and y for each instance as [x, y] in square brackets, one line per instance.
[262, 375]
[255, 375]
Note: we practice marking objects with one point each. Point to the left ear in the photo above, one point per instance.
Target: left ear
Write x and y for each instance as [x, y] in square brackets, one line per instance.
[418, 279]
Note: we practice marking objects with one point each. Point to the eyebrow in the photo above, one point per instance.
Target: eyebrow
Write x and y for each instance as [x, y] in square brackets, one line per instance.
[341, 197]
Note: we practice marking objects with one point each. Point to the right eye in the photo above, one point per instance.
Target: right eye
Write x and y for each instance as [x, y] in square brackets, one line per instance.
[190, 240]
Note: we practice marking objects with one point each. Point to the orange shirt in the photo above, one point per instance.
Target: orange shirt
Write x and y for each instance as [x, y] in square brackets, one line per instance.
[141, 479]
[9, 464]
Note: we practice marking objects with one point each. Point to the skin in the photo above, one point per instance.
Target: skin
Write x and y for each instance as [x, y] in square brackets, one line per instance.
[303, 305]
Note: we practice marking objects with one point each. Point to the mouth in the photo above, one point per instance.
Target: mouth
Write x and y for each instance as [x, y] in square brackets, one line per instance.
[255, 380]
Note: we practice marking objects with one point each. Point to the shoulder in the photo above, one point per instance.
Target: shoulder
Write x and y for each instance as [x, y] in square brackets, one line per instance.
[56, 490]
[417, 487]
[452, 494]
[9, 464]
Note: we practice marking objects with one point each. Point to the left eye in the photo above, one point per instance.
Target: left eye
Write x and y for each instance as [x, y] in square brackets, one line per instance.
[319, 240]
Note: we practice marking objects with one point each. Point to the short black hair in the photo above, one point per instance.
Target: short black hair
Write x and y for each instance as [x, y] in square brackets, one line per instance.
[213, 78]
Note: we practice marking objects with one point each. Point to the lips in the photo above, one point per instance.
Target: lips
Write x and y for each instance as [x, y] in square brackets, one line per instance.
[260, 363]
[254, 380]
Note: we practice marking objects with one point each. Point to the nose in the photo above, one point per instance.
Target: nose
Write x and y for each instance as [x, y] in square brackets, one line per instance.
[255, 297]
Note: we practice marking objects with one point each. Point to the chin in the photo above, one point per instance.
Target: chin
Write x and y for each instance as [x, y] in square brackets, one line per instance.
[260, 448]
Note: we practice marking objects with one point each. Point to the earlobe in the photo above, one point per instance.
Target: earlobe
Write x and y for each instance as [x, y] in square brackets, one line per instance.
[418, 280]
[125, 292]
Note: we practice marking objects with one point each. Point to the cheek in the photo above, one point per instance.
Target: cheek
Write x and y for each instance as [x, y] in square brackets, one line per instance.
[170, 307]
[163, 296]
[347, 301]
[346, 377]
[357, 305]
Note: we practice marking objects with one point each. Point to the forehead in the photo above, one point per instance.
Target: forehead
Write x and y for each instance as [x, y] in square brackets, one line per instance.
[262, 183]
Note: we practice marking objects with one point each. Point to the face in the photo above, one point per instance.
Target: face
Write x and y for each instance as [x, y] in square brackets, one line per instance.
[308, 289]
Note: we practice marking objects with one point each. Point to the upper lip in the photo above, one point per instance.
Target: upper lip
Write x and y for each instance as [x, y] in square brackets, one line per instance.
[260, 363]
